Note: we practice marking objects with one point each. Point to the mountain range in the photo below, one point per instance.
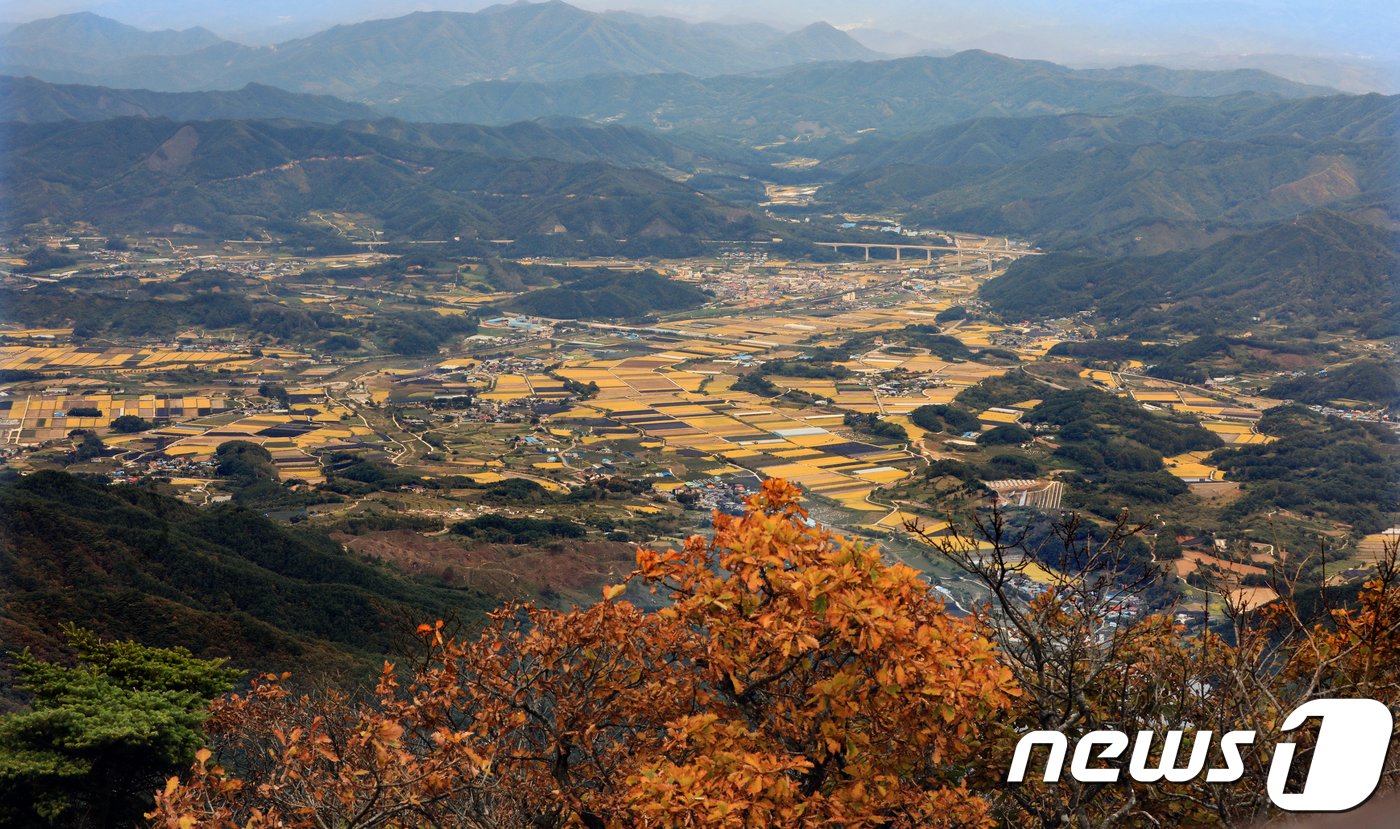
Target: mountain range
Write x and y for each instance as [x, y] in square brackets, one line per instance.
[1137, 159]
[793, 108]
[31, 100]
[380, 59]
[533, 56]
[1140, 172]
[997, 141]
[239, 177]
[1323, 269]
[525, 61]
[807, 103]
[1186, 175]
[85, 36]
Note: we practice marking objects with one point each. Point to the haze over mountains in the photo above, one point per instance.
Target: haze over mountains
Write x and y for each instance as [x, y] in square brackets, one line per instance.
[813, 101]
[1150, 158]
[802, 102]
[545, 120]
[380, 58]
[1348, 46]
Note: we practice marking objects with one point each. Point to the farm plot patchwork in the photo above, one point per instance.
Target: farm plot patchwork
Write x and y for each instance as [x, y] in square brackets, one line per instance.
[37, 418]
[119, 359]
[291, 438]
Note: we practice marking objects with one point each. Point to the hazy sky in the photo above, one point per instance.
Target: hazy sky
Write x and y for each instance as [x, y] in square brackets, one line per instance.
[1079, 30]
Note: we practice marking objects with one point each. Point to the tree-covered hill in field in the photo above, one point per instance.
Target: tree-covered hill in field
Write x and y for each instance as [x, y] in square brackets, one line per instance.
[1319, 465]
[1364, 381]
[603, 294]
[129, 562]
[215, 300]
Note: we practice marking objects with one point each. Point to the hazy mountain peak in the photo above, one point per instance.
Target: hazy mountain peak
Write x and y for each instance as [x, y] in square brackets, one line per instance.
[535, 7]
[383, 58]
[94, 35]
[822, 41]
[390, 59]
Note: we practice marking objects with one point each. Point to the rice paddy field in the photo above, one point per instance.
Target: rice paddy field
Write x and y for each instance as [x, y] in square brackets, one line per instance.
[114, 359]
[1182, 400]
[654, 398]
[679, 395]
[36, 418]
[665, 408]
[293, 438]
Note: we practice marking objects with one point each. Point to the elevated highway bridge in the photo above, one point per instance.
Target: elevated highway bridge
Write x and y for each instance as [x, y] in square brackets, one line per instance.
[927, 250]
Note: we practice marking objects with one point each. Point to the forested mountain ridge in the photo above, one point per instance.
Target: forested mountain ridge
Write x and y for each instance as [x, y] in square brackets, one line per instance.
[1137, 198]
[563, 139]
[1180, 176]
[234, 177]
[1208, 82]
[83, 37]
[997, 141]
[130, 562]
[1323, 269]
[432, 49]
[804, 102]
[31, 100]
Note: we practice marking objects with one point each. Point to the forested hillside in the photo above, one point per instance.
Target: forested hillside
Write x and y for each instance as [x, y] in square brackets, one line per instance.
[239, 177]
[130, 562]
[29, 100]
[1182, 176]
[1323, 269]
[807, 103]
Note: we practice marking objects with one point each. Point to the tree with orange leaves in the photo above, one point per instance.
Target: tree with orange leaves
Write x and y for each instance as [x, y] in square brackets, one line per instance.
[841, 691]
[794, 679]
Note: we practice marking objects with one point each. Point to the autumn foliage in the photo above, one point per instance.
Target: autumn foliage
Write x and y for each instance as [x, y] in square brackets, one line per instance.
[1082, 666]
[794, 678]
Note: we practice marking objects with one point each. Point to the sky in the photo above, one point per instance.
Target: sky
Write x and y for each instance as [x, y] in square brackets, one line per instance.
[1076, 31]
